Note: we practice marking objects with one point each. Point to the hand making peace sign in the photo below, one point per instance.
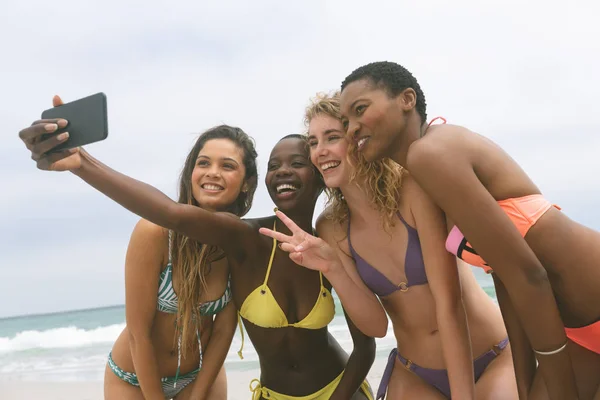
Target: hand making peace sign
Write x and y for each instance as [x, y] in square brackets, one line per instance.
[305, 249]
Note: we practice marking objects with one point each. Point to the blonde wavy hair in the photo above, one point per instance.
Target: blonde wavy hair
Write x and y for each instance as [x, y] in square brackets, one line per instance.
[381, 180]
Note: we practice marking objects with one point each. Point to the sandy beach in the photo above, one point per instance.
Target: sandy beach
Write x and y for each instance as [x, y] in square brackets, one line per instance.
[92, 390]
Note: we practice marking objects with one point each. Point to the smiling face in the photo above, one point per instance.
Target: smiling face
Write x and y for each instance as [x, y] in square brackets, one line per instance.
[329, 150]
[291, 179]
[373, 118]
[218, 174]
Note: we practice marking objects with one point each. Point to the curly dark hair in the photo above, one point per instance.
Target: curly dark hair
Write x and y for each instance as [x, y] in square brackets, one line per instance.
[392, 77]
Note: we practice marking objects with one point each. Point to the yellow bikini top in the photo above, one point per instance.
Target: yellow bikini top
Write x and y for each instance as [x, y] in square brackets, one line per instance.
[261, 308]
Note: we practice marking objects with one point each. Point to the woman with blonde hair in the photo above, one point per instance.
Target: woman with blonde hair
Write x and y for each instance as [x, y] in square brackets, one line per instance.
[382, 239]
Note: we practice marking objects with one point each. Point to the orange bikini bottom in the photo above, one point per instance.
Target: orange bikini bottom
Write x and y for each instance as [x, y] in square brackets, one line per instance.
[587, 336]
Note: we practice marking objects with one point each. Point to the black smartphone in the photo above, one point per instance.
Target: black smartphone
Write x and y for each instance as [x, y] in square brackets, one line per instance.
[87, 121]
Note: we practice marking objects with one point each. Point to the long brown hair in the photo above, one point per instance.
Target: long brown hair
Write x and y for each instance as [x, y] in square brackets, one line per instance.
[190, 259]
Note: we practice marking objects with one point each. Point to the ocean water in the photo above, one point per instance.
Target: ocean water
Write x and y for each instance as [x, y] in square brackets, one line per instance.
[73, 345]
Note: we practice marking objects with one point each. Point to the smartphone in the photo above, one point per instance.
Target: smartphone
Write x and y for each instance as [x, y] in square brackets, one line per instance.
[87, 121]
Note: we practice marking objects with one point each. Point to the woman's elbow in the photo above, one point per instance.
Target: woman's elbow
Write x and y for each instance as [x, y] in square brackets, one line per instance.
[535, 274]
[137, 338]
[223, 331]
[366, 349]
[530, 274]
[382, 331]
[378, 330]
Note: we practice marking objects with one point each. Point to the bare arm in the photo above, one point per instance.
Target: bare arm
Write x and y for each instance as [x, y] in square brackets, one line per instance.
[358, 365]
[442, 274]
[216, 351]
[220, 229]
[442, 170]
[361, 303]
[142, 270]
[522, 354]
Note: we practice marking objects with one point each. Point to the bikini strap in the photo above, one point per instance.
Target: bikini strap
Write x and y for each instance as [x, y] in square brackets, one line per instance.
[348, 234]
[401, 218]
[406, 224]
[321, 279]
[435, 119]
[178, 360]
[170, 244]
[257, 390]
[272, 256]
[242, 333]
[199, 348]
[179, 354]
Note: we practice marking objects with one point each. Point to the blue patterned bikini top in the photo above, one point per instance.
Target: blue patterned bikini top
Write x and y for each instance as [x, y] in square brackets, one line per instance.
[167, 298]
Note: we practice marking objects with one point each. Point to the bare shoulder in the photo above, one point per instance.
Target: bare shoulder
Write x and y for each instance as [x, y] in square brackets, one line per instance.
[262, 222]
[148, 245]
[325, 222]
[147, 230]
[408, 189]
[438, 137]
[412, 193]
[413, 198]
[249, 223]
[254, 242]
[447, 134]
[448, 142]
[440, 151]
[409, 185]
[333, 232]
[251, 236]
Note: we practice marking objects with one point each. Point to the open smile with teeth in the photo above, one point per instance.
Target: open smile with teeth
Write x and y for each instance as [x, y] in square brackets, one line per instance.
[361, 142]
[286, 188]
[329, 165]
[212, 186]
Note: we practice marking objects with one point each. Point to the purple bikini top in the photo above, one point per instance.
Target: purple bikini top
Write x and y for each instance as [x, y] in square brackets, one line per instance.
[414, 267]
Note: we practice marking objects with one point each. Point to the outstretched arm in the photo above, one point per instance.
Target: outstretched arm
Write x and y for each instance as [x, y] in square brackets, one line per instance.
[358, 365]
[442, 274]
[362, 305]
[215, 228]
[220, 229]
[448, 177]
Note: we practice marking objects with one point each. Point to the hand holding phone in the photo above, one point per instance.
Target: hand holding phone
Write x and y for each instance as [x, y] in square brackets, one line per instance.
[87, 121]
[49, 139]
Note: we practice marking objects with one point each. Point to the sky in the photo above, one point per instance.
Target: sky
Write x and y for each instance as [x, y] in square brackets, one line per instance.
[521, 73]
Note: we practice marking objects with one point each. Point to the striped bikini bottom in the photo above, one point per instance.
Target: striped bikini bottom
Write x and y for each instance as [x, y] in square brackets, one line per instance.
[171, 385]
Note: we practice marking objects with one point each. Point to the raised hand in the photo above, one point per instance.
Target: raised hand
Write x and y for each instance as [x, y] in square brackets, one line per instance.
[305, 249]
[39, 146]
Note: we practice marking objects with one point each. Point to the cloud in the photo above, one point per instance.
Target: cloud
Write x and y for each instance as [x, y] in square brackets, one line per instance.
[522, 74]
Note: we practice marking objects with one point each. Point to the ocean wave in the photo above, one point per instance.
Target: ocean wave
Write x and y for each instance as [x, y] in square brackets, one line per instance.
[64, 337]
